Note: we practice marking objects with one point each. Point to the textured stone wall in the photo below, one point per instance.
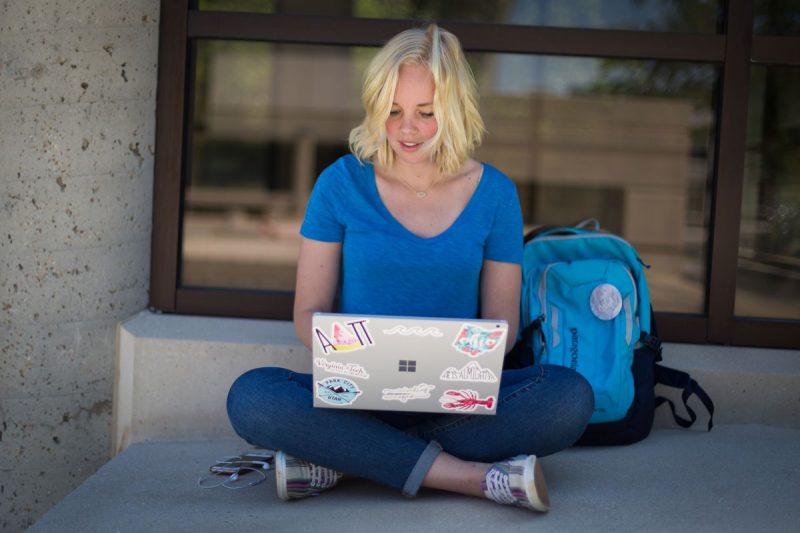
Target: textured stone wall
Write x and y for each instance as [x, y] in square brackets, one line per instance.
[77, 128]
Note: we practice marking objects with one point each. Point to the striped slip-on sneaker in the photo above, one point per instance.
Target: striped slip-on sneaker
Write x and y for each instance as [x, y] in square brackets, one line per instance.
[296, 478]
[518, 481]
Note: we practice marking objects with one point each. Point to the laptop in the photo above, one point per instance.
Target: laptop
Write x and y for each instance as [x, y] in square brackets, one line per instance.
[391, 363]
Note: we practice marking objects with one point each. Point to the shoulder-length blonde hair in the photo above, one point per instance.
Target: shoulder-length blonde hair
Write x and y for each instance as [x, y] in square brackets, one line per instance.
[455, 101]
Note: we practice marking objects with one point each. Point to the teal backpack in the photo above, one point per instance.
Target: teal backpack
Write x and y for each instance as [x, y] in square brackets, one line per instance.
[586, 305]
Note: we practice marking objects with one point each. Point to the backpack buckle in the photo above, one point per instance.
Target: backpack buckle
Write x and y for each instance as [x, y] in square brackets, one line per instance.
[652, 342]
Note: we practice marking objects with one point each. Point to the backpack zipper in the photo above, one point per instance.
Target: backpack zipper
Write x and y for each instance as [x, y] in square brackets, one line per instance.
[635, 288]
[543, 290]
[543, 303]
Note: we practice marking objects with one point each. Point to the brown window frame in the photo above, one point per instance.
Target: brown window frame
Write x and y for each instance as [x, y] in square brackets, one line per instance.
[734, 50]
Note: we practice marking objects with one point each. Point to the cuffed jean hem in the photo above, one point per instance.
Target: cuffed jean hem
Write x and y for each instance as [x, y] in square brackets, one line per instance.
[420, 470]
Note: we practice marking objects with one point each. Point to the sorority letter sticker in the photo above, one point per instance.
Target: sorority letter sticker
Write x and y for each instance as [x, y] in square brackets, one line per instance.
[465, 400]
[475, 340]
[353, 335]
[353, 370]
[403, 394]
[337, 391]
[472, 371]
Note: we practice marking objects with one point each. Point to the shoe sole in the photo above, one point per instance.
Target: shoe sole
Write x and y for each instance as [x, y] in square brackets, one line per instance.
[536, 485]
[280, 476]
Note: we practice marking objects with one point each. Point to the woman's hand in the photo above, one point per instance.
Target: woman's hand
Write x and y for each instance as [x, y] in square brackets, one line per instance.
[317, 281]
[500, 293]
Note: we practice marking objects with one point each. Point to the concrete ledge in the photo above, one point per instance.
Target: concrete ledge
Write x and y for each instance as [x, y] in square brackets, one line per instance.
[747, 385]
[173, 373]
[734, 479]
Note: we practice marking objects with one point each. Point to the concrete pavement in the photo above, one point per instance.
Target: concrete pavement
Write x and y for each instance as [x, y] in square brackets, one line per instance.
[735, 478]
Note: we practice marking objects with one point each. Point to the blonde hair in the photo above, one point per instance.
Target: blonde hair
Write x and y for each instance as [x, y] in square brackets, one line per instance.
[455, 101]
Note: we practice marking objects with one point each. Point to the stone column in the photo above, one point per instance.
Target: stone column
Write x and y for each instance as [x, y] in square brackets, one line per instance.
[77, 128]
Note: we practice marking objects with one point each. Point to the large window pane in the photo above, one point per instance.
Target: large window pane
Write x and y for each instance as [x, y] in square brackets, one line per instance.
[768, 277]
[627, 142]
[267, 119]
[777, 17]
[700, 16]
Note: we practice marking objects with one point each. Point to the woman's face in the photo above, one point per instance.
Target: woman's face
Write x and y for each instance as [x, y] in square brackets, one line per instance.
[411, 124]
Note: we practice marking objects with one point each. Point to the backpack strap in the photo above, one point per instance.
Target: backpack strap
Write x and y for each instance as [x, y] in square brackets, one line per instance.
[592, 224]
[541, 231]
[682, 380]
[651, 342]
[584, 226]
[676, 379]
[521, 355]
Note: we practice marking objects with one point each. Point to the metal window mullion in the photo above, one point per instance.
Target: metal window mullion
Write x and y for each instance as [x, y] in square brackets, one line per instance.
[766, 333]
[774, 50]
[590, 42]
[213, 301]
[168, 156]
[727, 203]
[475, 37]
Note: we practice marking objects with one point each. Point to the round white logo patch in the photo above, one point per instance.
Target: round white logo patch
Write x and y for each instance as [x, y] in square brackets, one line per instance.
[606, 301]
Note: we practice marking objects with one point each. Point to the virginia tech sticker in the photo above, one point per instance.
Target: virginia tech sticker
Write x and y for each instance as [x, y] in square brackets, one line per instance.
[337, 391]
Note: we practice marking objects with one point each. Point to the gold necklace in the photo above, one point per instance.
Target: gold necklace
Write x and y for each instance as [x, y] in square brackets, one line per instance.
[418, 193]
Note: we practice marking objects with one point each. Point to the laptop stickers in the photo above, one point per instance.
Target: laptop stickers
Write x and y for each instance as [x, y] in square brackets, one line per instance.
[353, 335]
[472, 371]
[338, 367]
[407, 364]
[475, 340]
[337, 391]
[404, 394]
[465, 400]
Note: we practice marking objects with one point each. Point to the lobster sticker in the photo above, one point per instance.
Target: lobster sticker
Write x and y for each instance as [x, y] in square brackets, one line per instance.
[337, 391]
[475, 340]
[403, 394]
[465, 400]
[353, 335]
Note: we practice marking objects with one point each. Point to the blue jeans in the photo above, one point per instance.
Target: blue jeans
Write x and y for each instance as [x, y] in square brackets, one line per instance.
[541, 410]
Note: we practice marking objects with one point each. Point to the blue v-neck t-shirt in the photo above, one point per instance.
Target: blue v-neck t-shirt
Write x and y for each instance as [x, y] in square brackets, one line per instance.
[388, 270]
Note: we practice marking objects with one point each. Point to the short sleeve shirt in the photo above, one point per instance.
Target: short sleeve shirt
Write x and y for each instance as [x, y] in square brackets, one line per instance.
[388, 270]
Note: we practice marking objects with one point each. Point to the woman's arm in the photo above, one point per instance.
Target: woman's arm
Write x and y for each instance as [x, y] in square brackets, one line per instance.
[317, 280]
[500, 293]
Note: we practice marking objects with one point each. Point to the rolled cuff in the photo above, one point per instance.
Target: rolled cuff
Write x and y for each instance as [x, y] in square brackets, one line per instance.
[420, 470]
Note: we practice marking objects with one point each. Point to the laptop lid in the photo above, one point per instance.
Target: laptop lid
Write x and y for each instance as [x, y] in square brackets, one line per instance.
[407, 363]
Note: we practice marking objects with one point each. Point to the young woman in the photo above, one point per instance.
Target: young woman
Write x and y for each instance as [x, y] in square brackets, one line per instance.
[410, 225]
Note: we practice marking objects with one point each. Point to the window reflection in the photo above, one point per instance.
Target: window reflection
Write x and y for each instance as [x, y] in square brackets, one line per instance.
[627, 142]
[688, 16]
[768, 276]
[263, 128]
[777, 17]
[655, 15]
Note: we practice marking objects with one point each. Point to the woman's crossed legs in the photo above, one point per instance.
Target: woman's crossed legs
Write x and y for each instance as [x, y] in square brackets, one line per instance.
[541, 410]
